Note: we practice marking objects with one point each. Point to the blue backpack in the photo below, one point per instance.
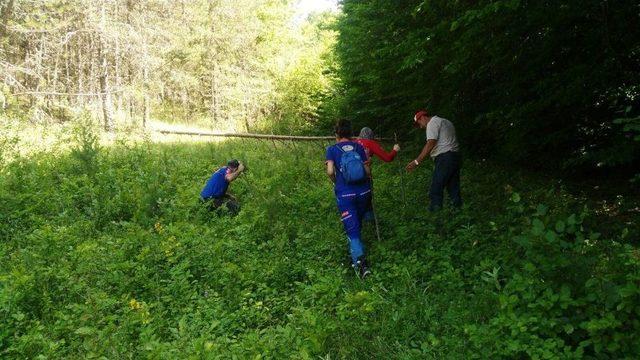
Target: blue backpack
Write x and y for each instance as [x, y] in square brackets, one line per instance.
[351, 167]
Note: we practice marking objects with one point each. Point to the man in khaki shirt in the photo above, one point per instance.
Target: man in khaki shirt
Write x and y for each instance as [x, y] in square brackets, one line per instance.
[442, 146]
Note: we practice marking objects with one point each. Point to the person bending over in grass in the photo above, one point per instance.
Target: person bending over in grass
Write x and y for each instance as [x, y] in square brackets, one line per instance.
[214, 193]
[372, 147]
[442, 146]
[348, 168]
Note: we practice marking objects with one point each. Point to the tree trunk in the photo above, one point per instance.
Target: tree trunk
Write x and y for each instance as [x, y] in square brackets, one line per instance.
[245, 114]
[117, 71]
[214, 96]
[147, 102]
[6, 15]
[107, 106]
[107, 110]
[80, 68]
[67, 79]
[249, 135]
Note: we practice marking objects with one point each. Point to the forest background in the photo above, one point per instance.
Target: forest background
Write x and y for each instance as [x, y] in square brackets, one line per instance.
[549, 85]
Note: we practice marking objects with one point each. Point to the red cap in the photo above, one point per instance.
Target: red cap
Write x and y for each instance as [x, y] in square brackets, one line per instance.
[419, 113]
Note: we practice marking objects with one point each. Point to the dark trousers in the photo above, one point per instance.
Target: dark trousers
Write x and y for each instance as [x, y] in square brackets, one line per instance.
[446, 174]
[227, 200]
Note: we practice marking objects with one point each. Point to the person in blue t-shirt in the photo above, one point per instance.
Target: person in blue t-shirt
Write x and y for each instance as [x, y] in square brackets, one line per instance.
[214, 193]
[348, 168]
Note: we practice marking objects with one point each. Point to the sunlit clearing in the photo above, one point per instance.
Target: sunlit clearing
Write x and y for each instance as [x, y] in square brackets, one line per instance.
[306, 7]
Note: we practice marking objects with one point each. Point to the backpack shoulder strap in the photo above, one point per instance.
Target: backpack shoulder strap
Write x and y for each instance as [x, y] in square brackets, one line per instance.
[338, 169]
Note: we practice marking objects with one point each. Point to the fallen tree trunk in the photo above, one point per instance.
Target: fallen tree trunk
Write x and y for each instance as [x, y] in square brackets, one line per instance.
[55, 93]
[252, 136]
[247, 135]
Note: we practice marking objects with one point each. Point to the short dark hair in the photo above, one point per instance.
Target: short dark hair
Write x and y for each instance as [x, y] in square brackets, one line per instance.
[233, 164]
[343, 129]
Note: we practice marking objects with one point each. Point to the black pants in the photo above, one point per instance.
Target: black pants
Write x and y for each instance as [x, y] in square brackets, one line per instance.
[446, 174]
[226, 201]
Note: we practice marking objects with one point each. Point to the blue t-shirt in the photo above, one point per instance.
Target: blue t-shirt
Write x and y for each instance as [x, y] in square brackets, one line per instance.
[216, 185]
[334, 154]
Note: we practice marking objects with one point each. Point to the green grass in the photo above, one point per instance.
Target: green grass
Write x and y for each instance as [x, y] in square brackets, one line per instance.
[105, 253]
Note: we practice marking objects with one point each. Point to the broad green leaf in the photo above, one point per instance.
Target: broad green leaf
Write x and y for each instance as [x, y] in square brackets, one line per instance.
[537, 226]
[551, 236]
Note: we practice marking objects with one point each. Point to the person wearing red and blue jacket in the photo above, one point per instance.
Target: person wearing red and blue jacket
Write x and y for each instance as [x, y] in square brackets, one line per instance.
[352, 197]
[214, 193]
[372, 147]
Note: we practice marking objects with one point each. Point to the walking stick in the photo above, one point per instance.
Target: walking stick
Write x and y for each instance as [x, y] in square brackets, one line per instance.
[404, 200]
[375, 217]
[375, 220]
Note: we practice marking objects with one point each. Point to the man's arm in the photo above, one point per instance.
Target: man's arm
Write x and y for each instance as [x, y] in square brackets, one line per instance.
[331, 170]
[426, 150]
[234, 174]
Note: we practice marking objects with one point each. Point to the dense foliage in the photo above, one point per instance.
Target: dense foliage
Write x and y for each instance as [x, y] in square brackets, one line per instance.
[105, 252]
[535, 82]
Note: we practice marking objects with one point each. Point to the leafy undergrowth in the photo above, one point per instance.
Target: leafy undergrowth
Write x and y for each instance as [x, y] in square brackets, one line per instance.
[105, 252]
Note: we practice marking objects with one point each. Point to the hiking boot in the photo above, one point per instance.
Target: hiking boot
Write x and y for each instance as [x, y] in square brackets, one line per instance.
[361, 269]
[356, 267]
[364, 269]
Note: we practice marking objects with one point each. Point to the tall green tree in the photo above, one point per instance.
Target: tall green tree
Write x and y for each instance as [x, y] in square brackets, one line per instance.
[526, 81]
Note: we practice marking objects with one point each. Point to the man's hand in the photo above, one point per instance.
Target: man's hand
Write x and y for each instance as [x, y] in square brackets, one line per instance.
[234, 174]
[396, 147]
[426, 150]
[411, 166]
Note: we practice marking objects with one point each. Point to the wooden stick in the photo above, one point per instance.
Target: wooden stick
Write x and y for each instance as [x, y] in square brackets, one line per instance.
[375, 220]
[404, 199]
[54, 93]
